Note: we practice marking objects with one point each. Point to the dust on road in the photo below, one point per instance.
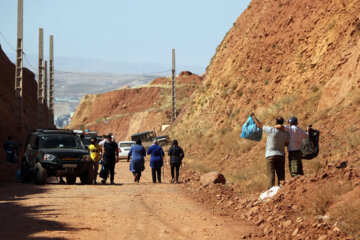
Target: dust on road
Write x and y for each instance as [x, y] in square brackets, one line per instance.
[123, 211]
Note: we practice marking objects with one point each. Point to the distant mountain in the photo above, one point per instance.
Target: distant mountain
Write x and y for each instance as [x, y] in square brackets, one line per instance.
[104, 66]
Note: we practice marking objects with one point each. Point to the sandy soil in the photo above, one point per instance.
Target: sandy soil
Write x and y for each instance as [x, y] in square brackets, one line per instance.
[122, 211]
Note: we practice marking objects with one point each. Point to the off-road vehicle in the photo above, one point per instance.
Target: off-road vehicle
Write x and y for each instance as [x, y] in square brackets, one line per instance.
[147, 138]
[60, 153]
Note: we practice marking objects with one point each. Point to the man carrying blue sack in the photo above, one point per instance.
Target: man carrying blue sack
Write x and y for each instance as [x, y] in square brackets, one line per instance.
[277, 139]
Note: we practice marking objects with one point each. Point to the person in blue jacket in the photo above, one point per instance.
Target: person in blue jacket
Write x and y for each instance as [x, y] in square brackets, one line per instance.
[156, 161]
[137, 164]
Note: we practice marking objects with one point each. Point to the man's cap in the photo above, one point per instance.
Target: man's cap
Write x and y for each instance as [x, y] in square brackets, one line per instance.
[293, 121]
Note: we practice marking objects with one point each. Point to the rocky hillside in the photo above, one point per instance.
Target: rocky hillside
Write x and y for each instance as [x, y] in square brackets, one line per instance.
[131, 110]
[7, 96]
[284, 58]
[289, 58]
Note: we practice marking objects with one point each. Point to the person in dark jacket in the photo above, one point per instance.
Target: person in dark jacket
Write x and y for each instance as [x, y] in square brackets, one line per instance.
[110, 157]
[176, 156]
[156, 161]
[137, 164]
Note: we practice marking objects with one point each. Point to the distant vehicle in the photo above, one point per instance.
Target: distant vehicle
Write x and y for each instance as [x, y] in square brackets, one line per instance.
[148, 137]
[162, 140]
[86, 138]
[51, 153]
[124, 148]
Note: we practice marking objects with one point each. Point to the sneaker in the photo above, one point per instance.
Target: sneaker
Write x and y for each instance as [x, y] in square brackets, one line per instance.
[62, 181]
[172, 180]
[112, 183]
[103, 181]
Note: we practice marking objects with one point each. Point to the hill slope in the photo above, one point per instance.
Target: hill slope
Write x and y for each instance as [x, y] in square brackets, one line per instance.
[130, 110]
[289, 58]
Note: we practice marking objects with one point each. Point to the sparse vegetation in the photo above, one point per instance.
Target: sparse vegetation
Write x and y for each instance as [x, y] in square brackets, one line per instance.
[331, 25]
[240, 93]
[266, 82]
[348, 217]
[357, 26]
[267, 69]
[314, 88]
[326, 196]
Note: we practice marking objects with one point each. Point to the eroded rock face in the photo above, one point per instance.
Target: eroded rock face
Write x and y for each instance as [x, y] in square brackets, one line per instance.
[212, 178]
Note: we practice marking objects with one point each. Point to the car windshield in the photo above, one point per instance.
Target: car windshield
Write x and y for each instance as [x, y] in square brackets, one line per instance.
[60, 141]
[126, 144]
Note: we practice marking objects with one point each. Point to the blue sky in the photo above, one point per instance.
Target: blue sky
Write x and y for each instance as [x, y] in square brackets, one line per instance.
[134, 31]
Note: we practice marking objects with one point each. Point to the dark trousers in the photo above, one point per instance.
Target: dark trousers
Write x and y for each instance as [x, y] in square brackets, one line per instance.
[137, 173]
[275, 164]
[175, 166]
[295, 163]
[156, 171]
[96, 168]
[109, 168]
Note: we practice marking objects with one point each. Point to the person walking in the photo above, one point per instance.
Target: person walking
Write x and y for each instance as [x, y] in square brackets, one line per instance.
[276, 141]
[12, 150]
[296, 138]
[137, 164]
[95, 150]
[110, 157]
[176, 156]
[156, 161]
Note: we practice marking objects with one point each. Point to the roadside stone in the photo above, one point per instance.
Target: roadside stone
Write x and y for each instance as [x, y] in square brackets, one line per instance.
[212, 178]
[323, 237]
[295, 232]
[286, 224]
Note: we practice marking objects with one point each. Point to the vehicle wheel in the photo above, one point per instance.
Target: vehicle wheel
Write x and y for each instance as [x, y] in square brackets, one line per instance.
[25, 176]
[40, 174]
[70, 179]
[88, 176]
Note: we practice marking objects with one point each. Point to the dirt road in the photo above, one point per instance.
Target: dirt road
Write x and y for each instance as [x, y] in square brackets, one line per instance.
[123, 211]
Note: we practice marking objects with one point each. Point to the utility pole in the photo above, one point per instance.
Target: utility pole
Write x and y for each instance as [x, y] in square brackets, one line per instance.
[41, 80]
[45, 84]
[19, 68]
[51, 81]
[173, 102]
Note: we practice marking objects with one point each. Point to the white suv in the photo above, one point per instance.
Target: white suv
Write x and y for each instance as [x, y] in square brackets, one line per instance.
[124, 148]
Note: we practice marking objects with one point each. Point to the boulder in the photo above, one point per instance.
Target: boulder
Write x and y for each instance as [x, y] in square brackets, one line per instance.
[212, 178]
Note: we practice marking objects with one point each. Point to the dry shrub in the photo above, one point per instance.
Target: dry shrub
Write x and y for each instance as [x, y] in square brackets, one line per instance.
[313, 166]
[348, 217]
[252, 179]
[352, 140]
[200, 166]
[319, 202]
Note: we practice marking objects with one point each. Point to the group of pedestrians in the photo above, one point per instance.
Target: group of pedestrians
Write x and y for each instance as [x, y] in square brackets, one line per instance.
[106, 153]
[279, 137]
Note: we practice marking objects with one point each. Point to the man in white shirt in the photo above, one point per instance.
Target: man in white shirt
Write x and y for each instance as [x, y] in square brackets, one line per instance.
[296, 137]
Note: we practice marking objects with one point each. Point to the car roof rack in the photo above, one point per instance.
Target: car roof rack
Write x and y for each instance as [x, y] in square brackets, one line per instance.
[52, 131]
[142, 133]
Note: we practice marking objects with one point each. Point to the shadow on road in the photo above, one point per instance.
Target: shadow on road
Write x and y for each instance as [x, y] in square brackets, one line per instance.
[18, 221]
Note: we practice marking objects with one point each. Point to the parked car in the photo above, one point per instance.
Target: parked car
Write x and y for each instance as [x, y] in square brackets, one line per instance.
[50, 153]
[124, 148]
[148, 137]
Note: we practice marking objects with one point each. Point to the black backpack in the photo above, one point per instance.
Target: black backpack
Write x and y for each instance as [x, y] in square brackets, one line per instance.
[310, 146]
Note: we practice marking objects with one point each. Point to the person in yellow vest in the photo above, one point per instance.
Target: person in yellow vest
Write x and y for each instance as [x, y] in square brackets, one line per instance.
[95, 150]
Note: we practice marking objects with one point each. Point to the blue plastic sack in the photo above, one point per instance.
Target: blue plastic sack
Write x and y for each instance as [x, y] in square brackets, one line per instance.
[251, 131]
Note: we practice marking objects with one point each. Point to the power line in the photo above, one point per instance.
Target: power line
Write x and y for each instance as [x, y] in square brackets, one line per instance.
[7, 42]
[31, 66]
